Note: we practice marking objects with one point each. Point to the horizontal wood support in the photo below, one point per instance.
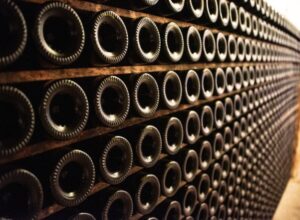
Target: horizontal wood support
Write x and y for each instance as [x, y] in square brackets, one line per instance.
[56, 74]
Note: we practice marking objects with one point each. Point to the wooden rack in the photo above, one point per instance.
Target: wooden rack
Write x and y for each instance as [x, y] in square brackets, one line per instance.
[25, 76]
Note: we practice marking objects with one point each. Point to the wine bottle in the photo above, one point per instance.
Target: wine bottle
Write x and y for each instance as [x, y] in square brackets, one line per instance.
[145, 95]
[228, 138]
[118, 205]
[248, 48]
[172, 42]
[14, 32]
[191, 127]
[246, 76]
[115, 160]
[168, 7]
[207, 83]
[148, 146]
[242, 19]
[187, 196]
[189, 161]
[234, 19]
[193, 9]
[64, 109]
[191, 87]
[241, 49]
[228, 105]
[230, 80]
[146, 41]
[209, 45]
[222, 190]
[169, 174]
[236, 132]
[109, 37]
[193, 44]
[251, 100]
[220, 81]
[172, 210]
[230, 204]
[207, 120]
[203, 185]
[234, 155]
[72, 178]
[137, 5]
[245, 102]
[225, 164]
[213, 202]
[145, 191]
[232, 47]
[237, 106]
[219, 114]
[254, 26]
[144, 4]
[224, 12]
[201, 212]
[17, 120]
[244, 127]
[59, 33]
[83, 216]
[205, 155]
[211, 11]
[221, 213]
[215, 172]
[172, 135]
[218, 145]
[112, 101]
[252, 76]
[171, 90]
[21, 195]
[221, 43]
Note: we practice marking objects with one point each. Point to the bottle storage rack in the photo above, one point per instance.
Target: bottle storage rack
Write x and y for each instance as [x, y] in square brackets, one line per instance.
[94, 138]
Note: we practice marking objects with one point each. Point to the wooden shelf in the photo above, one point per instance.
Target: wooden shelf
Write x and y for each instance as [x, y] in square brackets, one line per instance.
[48, 145]
[55, 74]
[96, 7]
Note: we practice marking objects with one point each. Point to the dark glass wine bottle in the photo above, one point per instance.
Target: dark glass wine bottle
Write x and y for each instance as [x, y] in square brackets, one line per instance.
[109, 37]
[17, 120]
[115, 160]
[14, 32]
[146, 41]
[21, 195]
[64, 109]
[112, 101]
[72, 178]
[59, 33]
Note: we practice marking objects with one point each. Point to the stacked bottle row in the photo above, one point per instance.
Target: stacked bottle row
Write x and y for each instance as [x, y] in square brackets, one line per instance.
[113, 39]
[66, 108]
[268, 13]
[233, 15]
[197, 142]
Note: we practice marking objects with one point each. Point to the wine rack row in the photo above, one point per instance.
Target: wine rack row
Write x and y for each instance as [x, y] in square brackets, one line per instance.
[147, 41]
[145, 109]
